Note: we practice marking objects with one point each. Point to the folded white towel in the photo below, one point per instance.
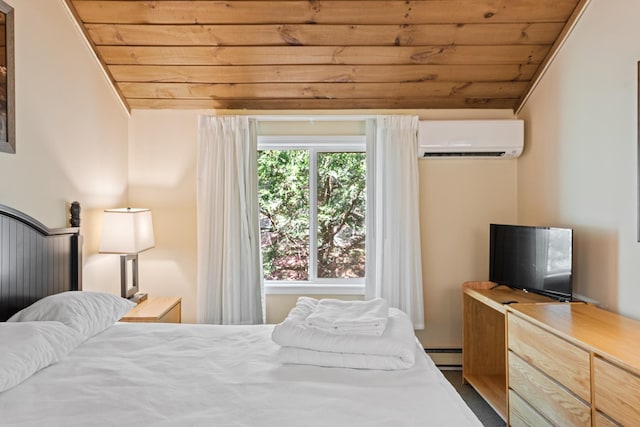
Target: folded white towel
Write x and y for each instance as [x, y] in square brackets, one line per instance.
[350, 317]
[303, 356]
[395, 348]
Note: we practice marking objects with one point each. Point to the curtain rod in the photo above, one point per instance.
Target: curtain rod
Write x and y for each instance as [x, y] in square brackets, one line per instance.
[311, 118]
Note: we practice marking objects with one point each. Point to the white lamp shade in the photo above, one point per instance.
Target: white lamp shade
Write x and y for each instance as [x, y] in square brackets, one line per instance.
[126, 231]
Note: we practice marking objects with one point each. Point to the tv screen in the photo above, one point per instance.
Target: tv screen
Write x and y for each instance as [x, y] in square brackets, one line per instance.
[535, 259]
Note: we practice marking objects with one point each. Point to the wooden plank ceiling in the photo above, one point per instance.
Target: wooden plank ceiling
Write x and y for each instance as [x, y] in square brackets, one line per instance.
[324, 54]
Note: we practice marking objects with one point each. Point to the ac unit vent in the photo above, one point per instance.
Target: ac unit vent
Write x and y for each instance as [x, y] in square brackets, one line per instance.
[467, 154]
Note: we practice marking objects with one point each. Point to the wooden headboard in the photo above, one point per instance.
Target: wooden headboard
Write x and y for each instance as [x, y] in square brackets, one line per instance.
[36, 261]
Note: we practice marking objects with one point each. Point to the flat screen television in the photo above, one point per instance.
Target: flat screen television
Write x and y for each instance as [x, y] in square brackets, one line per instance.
[534, 259]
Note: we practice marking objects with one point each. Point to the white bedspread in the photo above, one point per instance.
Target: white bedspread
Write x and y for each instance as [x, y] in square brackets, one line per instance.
[202, 375]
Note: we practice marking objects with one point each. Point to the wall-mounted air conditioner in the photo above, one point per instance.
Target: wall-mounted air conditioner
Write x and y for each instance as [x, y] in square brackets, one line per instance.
[470, 138]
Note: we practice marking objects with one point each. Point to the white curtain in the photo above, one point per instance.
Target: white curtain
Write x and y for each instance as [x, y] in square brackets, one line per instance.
[394, 262]
[229, 268]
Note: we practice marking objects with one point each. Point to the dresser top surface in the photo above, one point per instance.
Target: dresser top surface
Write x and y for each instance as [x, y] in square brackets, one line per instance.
[609, 334]
[499, 297]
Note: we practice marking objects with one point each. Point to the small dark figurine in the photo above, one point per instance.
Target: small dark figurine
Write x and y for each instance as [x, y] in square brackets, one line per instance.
[75, 214]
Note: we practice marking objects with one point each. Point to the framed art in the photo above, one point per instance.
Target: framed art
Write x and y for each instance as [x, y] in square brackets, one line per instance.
[7, 78]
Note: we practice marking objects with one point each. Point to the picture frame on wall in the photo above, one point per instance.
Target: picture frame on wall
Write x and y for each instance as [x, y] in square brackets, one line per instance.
[7, 80]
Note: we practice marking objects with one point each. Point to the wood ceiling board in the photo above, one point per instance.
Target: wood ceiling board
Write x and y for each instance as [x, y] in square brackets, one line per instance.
[323, 12]
[319, 73]
[322, 104]
[324, 35]
[322, 90]
[301, 55]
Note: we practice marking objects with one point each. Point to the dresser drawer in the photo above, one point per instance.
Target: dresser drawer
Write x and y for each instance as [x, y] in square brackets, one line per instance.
[603, 421]
[617, 392]
[549, 398]
[561, 360]
[521, 414]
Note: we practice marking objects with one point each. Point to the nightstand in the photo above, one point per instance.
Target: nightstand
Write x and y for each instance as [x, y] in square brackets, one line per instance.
[156, 309]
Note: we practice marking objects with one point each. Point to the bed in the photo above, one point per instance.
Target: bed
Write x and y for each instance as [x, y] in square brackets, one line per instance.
[180, 374]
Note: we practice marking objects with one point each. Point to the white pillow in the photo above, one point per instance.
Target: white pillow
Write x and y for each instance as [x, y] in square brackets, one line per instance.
[28, 347]
[89, 313]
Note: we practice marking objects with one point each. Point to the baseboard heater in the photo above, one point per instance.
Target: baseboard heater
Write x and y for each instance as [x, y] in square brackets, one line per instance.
[445, 357]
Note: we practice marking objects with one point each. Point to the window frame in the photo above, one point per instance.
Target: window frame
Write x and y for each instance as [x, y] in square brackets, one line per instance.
[314, 144]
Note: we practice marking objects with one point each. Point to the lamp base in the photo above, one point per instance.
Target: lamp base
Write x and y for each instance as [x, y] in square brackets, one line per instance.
[138, 297]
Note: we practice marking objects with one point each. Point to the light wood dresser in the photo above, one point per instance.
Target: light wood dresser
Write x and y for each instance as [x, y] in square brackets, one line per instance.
[566, 364]
[484, 340]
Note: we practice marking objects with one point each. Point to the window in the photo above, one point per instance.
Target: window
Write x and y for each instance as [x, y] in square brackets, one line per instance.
[312, 196]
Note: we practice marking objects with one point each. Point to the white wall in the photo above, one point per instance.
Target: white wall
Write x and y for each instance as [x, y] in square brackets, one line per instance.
[162, 177]
[459, 198]
[71, 131]
[580, 164]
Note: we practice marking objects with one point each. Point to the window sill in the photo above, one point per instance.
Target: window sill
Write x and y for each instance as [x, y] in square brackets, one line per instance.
[297, 289]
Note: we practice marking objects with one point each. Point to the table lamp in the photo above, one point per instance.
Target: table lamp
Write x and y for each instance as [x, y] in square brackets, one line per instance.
[127, 231]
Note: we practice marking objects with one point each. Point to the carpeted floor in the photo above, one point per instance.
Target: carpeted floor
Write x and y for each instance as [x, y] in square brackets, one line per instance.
[483, 411]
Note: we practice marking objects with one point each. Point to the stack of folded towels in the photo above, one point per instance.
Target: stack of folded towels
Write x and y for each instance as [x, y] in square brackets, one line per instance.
[349, 334]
